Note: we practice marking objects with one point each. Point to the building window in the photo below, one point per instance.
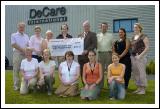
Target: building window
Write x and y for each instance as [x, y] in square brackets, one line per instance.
[127, 24]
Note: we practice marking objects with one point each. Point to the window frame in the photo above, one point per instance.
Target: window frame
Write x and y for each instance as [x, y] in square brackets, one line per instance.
[125, 19]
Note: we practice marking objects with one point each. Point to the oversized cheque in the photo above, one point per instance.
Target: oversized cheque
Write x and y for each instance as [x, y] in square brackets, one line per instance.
[58, 47]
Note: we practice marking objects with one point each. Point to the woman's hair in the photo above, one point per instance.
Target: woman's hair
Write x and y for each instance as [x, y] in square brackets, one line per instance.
[92, 52]
[46, 50]
[49, 31]
[140, 26]
[64, 25]
[69, 53]
[104, 23]
[123, 31]
[115, 54]
[37, 27]
[28, 49]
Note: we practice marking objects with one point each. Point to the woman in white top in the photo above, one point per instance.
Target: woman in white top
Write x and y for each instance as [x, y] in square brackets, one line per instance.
[68, 74]
[47, 68]
[29, 71]
[35, 43]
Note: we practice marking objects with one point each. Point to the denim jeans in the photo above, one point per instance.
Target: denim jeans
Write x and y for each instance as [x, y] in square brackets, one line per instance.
[117, 90]
[49, 81]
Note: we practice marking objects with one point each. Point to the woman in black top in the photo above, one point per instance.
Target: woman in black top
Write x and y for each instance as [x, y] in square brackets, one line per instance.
[64, 34]
[121, 47]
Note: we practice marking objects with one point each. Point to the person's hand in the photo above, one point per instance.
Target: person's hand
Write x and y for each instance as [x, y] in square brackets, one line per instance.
[86, 87]
[92, 86]
[27, 77]
[53, 57]
[138, 57]
[40, 81]
[61, 58]
[118, 79]
[51, 75]
[23, 50]
[110, 80]
[66, 83]
[120, 56]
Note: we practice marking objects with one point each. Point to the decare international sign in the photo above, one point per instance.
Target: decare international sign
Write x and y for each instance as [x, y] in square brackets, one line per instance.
[47, 15]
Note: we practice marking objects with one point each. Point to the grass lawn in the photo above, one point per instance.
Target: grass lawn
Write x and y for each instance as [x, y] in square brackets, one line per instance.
[14, 97]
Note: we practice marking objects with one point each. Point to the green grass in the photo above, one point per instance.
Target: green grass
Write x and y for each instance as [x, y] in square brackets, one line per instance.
[13, 97]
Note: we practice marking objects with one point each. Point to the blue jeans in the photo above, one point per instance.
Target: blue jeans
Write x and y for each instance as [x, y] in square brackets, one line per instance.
[117, 90]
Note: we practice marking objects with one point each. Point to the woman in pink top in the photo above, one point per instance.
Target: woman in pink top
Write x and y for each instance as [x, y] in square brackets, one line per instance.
[35, 43]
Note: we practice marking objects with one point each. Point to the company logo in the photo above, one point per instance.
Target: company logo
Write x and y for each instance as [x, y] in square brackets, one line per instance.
[47, 15]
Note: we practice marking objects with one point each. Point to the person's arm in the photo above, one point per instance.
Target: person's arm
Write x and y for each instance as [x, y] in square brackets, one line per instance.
[113, 47]
[44, 45]
[84, 77]
[22, 73]
[93, 45]
[14, 45]
[146, 43]
[22, 69]
[31, 41]
[123, 71]
[126, 49]
[41, 71]
[18, 48]
[109, 76]
[84, 74]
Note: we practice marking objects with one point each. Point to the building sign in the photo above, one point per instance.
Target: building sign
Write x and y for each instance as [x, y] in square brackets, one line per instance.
[47, 15]
[58, 47]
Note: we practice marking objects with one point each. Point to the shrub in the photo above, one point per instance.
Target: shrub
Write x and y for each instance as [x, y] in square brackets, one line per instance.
[150, 68]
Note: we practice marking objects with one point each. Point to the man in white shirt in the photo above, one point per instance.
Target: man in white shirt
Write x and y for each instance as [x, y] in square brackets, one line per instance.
[104, 48]
[19, 42]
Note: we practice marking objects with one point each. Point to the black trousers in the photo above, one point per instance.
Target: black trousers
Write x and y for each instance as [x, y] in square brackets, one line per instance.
[39, 58]
[127, 62]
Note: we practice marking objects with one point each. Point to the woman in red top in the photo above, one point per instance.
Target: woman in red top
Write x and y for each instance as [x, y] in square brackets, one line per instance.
[92, 76]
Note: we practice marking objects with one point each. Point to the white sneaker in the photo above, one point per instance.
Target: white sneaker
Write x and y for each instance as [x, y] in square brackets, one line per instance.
[49, 93]
[112, 98]
[136, 91]
[141, 92]
[16, 88]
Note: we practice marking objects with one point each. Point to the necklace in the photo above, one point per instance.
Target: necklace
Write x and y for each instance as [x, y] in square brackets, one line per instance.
[92, 66]
[69, 67]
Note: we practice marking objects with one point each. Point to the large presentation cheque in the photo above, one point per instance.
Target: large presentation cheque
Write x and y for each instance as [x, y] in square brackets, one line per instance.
[58, 47]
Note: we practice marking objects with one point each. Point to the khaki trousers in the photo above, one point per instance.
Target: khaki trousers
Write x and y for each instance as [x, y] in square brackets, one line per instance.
[17, 59]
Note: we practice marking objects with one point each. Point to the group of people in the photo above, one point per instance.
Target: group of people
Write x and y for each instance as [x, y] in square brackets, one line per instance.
[32, 58]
